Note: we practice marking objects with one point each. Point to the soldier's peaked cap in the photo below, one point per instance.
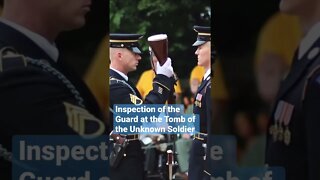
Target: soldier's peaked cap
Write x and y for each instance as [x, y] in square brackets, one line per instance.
[204, 35]
[129, 41]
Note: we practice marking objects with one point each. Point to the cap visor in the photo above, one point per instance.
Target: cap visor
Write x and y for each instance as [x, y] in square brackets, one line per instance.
[198, 43]
[136, 50]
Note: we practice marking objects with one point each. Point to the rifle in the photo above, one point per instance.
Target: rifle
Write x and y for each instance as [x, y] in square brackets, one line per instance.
[172, 97]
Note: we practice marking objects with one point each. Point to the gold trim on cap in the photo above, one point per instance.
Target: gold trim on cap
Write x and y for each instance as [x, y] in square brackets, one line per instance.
[124, 41]
[206, 34]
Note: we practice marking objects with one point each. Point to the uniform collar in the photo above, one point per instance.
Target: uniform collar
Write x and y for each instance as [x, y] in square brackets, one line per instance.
[311, 37]
[207, 74]
[121, 74]
[43, 43]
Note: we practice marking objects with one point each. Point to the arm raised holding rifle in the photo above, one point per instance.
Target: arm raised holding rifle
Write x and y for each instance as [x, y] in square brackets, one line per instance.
[159, 59]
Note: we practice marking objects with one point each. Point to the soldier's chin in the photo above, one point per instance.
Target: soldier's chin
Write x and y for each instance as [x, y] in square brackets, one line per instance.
[134, 68]
[76, 24]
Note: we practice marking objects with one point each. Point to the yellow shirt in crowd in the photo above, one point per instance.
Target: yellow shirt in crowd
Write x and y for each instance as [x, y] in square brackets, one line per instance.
[218, 88]
[97, 75]
[280, 35]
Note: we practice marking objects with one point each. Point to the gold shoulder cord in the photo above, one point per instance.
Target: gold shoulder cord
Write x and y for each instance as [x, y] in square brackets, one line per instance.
[46, 67]
[113, 80]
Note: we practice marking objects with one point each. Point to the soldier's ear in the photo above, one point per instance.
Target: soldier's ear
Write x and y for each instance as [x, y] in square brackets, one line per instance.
[119, 54]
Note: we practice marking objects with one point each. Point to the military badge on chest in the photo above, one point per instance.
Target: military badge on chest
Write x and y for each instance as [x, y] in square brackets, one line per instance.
[280, 129]
[198, 100]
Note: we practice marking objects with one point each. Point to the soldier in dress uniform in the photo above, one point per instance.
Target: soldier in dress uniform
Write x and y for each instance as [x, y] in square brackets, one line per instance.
[202, 106]
[39, 95]
[124, 58]
[293, 138]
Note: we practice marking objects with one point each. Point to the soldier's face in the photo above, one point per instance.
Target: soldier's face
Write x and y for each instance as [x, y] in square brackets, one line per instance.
[130, 60]
[203, 53]
[70, 14]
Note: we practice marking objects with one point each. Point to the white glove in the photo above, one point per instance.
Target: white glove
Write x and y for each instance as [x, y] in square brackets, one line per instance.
[166, 69]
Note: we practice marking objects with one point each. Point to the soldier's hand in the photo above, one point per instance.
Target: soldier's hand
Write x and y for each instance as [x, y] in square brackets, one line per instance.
[186, 136]
[120, 140]
[166, 69]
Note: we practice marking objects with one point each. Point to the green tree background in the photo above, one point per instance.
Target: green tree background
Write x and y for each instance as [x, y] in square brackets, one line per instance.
[174, 18]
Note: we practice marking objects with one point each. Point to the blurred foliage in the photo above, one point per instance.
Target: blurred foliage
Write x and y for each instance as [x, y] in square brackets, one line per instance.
[174, 18]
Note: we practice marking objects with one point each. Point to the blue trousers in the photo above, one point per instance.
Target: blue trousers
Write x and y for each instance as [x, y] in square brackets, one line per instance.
[196, 162]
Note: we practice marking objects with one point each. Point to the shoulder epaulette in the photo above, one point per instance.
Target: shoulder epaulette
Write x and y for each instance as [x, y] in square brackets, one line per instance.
[309, 76]
[113, 80]
[9, 58]
[208, 85]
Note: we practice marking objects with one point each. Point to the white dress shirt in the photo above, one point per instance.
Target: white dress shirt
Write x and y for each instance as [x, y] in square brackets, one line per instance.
[309, 39]
[121, 74]
[207, 74]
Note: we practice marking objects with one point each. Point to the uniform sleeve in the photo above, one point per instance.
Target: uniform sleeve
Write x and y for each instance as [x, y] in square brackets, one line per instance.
[36, 102]
[122, 94]
[162, 86]
[312, 124]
